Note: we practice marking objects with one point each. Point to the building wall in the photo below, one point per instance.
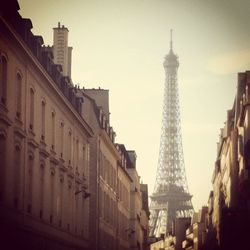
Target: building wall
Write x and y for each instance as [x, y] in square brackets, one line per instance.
[227, 219]
[63, 181]
[137, 238]
[110, 181]
[44, 153]
[158, 245]
[124, 231]
[145, 215]
[101, 97]
[108, 193]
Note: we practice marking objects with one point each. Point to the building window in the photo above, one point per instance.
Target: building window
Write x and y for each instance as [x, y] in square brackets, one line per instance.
[3, 79]
[53, 130]
[60, 200]
[69, 207]
[70, 146]
[62, 138]
[2, 165]
[32, 103]
[17, 173]
[77, 154]
[52, 191]
[101, 202]
[77, 217]
[84, 159]
[30, 181]
[43, 121]
[18, 95]
[41, 187]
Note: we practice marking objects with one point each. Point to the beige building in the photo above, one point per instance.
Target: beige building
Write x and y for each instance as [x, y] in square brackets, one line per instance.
[124, 183]
[138, 213]
[64, 182]
[196, 232]
[226, 222]
[44, 145]
[111, 198]
[145, 215]
[158, 244]
[173, 241]
[107, 176]
[229, 203]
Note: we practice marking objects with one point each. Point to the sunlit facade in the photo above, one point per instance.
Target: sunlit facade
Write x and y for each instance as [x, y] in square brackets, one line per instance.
[112, 215]
[44, 145]
[226, 223]
[64, 182]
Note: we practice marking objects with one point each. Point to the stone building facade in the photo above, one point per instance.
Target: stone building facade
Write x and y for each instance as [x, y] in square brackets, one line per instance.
[226, 224]
[44, 145]
[138, 211]
[64, 182]
[230, 178]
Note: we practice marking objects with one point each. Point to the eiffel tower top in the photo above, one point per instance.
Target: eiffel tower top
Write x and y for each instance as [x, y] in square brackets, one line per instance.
[171, 59]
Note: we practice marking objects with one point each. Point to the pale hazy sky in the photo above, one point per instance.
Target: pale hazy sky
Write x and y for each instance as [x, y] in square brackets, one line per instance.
[120, 46]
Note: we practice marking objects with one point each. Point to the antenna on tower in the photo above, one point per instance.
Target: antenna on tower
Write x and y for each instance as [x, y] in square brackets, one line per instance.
[171, 42]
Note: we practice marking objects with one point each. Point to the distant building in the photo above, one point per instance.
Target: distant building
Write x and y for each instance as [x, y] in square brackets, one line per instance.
[158, 244]
[124, 183]
[145, 215]
[179, 231]
[173, 241]
[112, 205]
[138, 216]
[225, 223]
[196, 232]
[230, 178]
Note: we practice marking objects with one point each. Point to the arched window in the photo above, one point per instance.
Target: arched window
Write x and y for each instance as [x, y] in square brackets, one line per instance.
[3, 79]
[32, 111]
[18, 95]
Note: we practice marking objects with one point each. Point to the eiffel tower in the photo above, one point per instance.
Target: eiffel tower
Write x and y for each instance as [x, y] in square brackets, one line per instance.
[170, 198]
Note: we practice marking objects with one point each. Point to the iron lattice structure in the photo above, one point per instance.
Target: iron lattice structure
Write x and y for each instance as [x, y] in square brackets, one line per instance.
[170, 198]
